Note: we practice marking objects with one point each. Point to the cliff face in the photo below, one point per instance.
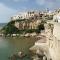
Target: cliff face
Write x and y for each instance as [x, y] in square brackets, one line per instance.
[53, 40]
[23, 26]
[27, 24]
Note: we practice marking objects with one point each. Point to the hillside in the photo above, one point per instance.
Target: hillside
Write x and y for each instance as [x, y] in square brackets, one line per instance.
[10, 28]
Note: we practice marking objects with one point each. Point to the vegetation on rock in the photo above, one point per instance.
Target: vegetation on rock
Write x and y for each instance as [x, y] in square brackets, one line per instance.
[11, 29]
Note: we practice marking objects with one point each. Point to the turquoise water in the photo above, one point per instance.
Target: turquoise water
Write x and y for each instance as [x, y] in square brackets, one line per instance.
[9, 46]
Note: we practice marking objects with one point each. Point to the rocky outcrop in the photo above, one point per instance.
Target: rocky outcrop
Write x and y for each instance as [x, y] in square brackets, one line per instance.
[27, 24]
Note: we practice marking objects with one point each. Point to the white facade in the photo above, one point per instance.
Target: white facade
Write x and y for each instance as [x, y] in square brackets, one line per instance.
[54, 44]
[23, 15]
[15, 17]
[56, 17]
[56, 31]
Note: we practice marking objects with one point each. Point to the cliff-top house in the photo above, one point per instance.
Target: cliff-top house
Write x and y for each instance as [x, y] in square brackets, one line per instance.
[25, 15]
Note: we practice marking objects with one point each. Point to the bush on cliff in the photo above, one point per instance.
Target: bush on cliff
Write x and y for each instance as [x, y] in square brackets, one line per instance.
[10, 28]
[40, 27]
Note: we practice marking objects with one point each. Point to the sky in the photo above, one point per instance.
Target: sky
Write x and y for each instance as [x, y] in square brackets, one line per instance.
[9, 8]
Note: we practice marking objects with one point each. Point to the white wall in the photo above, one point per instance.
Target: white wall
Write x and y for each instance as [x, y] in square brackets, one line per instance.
[55, 43]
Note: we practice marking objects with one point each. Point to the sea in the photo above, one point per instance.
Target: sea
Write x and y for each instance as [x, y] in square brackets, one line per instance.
[12, 45]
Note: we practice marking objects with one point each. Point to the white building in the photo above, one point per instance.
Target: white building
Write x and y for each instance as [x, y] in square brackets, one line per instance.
[24, 15]
[53, 40]
[56, 17]
[55, 43]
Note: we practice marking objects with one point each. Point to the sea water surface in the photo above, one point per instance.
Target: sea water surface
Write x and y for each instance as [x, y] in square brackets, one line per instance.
[12, 45]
